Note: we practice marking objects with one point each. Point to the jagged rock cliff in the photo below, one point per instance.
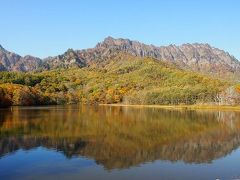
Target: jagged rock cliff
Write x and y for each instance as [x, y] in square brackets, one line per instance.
[10, 61]
[195, 57]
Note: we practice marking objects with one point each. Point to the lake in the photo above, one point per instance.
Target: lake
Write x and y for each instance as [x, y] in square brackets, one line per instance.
[95, 142]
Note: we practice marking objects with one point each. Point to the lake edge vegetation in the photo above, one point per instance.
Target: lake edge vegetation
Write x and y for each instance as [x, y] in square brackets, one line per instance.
[123, 79]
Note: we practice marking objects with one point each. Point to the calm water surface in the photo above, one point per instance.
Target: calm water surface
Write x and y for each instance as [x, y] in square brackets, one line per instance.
[84, 142]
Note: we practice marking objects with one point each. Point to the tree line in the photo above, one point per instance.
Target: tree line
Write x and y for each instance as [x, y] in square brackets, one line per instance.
[132, 80]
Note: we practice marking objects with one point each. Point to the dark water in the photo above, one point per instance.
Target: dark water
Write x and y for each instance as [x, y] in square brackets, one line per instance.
[83, 142]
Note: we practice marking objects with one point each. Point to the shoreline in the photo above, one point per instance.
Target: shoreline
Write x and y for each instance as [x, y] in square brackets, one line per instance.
[170, 107]
[180, 107]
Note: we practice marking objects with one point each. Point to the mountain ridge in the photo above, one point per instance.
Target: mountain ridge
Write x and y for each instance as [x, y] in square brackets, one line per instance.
[197, 57]
[10, 61]
[183, 55]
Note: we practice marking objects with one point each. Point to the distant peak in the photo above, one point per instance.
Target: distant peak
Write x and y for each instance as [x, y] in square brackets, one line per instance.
[109, 38]
[106, 42]
[70, 50]
[198, 45]
[110, 42]
[202, 44]
[1, 48]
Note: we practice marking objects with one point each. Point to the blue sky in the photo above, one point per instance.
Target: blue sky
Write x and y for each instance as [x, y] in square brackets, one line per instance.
[49, 27]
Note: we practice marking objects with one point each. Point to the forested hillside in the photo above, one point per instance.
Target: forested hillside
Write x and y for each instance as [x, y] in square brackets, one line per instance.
[120, 79]
[196, 57]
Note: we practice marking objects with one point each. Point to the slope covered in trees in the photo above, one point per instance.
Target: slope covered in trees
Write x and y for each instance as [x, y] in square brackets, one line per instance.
[120, 79]
[196, 57]
[15, 94]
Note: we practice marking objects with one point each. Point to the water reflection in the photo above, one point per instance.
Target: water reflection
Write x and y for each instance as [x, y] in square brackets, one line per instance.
[120, 137]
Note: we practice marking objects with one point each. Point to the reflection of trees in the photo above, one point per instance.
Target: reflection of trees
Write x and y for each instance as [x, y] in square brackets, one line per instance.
[122, 137]
[228, 118]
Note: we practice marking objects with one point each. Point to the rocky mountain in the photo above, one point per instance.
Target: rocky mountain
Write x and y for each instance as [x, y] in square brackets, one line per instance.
[195, 57]
[10, 61]
[67, 60]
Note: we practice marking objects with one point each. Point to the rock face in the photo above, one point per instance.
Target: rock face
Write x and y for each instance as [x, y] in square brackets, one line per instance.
[69, 59]
[10, 61]
[196, 57]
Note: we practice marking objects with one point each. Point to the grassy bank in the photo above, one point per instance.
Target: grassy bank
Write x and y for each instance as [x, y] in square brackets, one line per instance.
[183, 107]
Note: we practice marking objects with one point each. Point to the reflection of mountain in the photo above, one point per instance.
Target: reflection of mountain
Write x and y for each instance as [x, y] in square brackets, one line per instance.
[122, 137]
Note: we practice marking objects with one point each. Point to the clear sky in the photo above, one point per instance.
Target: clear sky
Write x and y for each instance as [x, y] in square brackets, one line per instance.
[49, 27]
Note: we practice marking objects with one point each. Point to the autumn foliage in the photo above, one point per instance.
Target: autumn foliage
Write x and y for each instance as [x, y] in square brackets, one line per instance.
[123, 79]
[15, 94]
[238, 88]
